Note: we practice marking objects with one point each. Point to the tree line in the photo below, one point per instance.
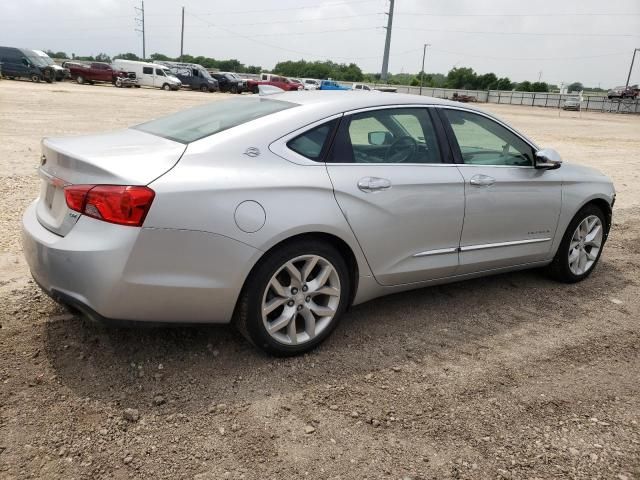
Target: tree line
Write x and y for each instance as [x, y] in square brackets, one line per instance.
[458, 77]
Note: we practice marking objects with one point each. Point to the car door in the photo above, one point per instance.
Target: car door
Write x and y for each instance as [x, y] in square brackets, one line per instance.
[511, 208]
[402, 197]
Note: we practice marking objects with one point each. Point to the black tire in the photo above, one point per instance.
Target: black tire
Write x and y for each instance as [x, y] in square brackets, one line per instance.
[80, 79]
[166, 87]
[256, 89]
[35, 78]
[559, 267]
[234, 89]
[248, 317]
[204, 88]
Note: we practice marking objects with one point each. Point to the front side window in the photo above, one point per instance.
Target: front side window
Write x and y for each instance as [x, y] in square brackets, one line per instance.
[159, 72]
[147, 70]
[483, 141]
[312, 143]
[402, 135]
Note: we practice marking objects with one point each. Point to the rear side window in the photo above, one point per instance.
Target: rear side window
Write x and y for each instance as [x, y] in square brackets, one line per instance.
[147, 70]
[200, 122]
[313, 143]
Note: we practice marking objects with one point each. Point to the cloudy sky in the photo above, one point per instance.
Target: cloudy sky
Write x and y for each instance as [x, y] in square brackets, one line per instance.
[560, 41]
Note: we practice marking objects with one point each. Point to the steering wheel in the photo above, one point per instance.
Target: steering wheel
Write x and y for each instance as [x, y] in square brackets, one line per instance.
[401, 150]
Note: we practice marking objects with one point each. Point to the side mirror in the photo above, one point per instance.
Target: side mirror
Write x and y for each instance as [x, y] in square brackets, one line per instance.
[380, 138]
[548, 159]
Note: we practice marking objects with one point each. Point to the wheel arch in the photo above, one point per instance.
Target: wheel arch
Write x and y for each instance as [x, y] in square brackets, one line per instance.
[338, 243]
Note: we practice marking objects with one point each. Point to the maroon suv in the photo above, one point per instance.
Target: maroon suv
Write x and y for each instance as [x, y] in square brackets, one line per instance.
[96, 72]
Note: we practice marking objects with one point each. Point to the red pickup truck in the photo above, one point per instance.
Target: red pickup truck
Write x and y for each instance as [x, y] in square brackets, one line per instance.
[97, 72]
[280, 82]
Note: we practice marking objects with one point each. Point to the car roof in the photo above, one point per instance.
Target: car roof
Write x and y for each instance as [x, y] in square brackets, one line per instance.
[348, 100]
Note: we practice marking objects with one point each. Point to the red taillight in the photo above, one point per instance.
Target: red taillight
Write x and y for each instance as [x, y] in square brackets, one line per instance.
[124, 205]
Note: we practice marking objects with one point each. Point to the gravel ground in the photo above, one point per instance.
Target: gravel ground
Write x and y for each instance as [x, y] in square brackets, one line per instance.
[512, 376]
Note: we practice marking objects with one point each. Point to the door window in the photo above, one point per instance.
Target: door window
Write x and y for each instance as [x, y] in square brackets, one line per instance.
[159, 72]
[403, 135]
[483, 141]
[147, 70]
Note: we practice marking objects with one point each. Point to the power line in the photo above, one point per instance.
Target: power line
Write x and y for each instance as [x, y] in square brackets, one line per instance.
[413, 14]
[280, 47]
[286, 9]
[300, 21]
[537, 34]
[289, 34]
[581, 57]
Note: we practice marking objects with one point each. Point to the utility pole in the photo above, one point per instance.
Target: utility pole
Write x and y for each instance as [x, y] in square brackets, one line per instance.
[631, 67]
[424, 54]
[140, 22]
[182, 36]
[387, 43]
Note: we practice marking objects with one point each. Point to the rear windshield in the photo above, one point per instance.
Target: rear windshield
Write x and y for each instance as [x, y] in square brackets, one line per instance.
[199, 122]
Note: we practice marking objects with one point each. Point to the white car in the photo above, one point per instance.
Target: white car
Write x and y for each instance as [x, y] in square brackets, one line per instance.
[310, 83]
[149, 74]
[361, 87]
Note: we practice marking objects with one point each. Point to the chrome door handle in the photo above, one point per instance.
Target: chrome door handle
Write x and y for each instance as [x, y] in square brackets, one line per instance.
[373, 184]
[482, 181]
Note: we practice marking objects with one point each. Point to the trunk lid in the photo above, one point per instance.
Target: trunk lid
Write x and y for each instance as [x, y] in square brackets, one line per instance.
[125, 157]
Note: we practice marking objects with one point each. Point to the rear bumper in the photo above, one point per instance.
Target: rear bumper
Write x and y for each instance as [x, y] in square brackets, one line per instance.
[138, 274]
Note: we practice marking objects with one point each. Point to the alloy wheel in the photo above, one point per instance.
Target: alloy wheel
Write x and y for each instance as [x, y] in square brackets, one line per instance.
[585, 245]
[301, 299]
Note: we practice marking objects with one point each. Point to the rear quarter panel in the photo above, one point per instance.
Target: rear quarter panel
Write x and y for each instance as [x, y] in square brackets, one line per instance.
[214, 176]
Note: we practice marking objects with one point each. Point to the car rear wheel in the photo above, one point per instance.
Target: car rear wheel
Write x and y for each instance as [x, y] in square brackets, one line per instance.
[581, 246]
[294, 298]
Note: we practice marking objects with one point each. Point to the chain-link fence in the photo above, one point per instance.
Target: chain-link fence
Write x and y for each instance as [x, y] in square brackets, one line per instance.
[596, 103]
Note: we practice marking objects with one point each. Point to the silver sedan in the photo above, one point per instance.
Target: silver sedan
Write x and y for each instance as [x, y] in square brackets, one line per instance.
[278, 212]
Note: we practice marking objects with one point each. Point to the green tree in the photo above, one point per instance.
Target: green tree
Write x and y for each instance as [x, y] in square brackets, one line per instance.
[103, 57]
[539, 87]
[462, 78]
[160, 57]
[524, 86]
[127, 56]
[504, 84]
[575, 87]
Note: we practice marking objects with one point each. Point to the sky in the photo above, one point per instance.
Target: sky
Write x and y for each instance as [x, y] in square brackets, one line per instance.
[558, 42]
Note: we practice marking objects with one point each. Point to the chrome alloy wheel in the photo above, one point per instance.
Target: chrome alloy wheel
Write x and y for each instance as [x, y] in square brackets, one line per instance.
[585, 245]
[301, 299]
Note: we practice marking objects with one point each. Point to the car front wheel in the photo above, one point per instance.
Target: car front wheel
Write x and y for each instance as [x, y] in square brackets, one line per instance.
[294, 298]
[581, 246]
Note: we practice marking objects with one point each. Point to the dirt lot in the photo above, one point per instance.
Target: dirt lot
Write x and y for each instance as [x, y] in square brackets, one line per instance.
[512, 376]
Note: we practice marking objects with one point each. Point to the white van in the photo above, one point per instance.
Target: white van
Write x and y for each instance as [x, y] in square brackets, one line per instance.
[149, 74]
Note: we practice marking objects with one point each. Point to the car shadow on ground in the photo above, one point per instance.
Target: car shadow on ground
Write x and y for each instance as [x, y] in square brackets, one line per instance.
[214, 364]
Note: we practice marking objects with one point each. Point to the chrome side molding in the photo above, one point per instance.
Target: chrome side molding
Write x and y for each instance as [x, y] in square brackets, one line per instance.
[469, 248]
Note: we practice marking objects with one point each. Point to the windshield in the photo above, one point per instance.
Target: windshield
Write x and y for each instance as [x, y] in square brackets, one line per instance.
[199, 122]
[38, 61]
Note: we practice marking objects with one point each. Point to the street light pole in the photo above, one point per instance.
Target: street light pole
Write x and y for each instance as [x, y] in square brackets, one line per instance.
[424, 54]
[631, 67]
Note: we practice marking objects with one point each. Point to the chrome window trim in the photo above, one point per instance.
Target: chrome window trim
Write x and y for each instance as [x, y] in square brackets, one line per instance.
[469, 248]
